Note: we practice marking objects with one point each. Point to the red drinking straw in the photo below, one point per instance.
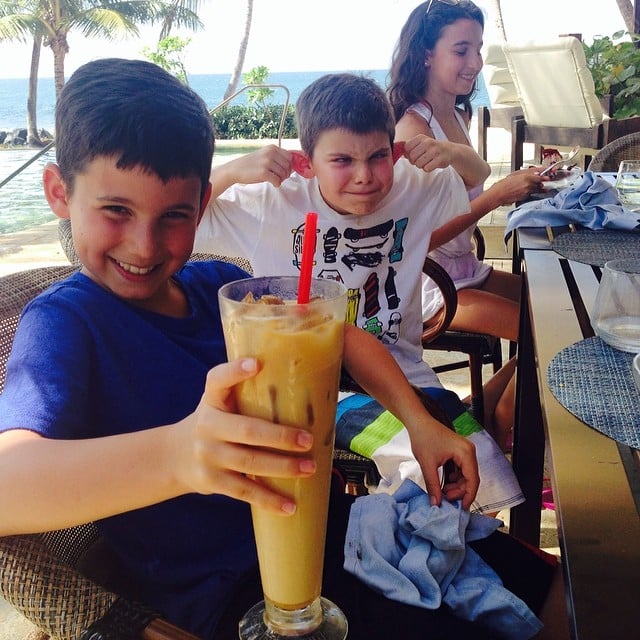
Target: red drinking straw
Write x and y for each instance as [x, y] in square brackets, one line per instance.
[308, 250]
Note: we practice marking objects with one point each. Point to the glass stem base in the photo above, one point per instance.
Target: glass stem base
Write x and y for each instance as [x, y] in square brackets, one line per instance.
[321, 620]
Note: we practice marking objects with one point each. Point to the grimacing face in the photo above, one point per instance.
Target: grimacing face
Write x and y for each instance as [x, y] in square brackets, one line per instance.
[354, 170]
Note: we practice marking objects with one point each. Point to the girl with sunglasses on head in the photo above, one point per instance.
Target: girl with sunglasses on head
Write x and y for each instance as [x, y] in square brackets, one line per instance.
[433, 76]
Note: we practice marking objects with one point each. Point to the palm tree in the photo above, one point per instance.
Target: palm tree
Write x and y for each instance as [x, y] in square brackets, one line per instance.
[237, 70]
[183, 13]
[627, 12]
[13, 27]
[495, 11]
[33, 137]
[49, 22]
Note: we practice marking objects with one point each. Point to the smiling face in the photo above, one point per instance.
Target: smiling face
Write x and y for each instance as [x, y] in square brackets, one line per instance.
[354, 170]
[455, 62]
[131, 231]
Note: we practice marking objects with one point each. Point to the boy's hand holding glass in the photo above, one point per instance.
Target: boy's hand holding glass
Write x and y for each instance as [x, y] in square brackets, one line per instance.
[226, 451]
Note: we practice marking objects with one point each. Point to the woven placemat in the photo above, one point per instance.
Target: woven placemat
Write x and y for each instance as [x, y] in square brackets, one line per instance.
[596, 247]
[594, 382]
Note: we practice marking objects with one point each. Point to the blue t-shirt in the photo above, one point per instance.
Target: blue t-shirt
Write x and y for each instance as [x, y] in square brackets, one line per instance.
[87, 364]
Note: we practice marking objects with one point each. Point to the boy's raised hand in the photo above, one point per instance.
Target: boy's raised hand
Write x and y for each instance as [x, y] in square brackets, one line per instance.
[267, 164]
[224, 449]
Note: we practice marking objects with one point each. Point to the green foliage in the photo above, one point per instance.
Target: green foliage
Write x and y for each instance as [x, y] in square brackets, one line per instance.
[169, 55]
[257, 75]
[615, 67]
[251, 122]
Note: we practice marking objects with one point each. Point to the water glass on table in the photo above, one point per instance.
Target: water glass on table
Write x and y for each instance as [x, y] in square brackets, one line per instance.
[299, 347]
[628, 184]
[616, 311]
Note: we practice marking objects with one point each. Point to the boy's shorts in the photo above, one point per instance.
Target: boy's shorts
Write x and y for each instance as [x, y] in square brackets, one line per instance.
[365, 427]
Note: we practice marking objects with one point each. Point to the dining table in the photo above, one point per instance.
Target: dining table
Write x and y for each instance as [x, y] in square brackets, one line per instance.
[569, 382]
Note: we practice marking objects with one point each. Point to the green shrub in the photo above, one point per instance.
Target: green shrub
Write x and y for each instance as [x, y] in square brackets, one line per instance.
[252, 122]
[615, 67]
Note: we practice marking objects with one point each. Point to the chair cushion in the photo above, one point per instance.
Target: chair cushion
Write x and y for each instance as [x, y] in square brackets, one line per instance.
[554, 83]
[500, 85]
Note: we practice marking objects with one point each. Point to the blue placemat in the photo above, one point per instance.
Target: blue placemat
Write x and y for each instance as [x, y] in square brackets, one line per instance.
[594, 382]
[596, 247]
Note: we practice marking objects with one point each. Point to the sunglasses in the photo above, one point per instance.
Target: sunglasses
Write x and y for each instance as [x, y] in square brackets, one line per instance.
[451, 3]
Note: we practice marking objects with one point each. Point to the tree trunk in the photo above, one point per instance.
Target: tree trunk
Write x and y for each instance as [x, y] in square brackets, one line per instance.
[60, 48]
[237, 71]
[626, 11]
[33, 138]
[495, 12]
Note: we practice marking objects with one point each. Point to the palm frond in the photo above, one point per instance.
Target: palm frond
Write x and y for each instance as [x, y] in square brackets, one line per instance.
[105, 23]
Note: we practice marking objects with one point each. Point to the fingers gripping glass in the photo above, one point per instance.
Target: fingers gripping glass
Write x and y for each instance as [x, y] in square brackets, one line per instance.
[451, 3]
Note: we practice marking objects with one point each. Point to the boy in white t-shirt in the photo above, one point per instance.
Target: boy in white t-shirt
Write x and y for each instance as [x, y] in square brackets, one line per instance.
[376, 213]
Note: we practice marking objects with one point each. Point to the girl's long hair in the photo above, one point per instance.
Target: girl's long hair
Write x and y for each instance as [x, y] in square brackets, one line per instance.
[407, 80]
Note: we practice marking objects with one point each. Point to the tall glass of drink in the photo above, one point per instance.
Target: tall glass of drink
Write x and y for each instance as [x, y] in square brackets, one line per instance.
[299, 347]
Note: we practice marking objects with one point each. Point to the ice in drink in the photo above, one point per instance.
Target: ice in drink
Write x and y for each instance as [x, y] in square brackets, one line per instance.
[300, 350]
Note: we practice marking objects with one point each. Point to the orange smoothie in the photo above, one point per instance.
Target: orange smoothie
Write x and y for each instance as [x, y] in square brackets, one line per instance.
[300, 350]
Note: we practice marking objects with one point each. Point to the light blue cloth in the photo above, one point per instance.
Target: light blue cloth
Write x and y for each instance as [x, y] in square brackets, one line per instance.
[414, 553]
[591, 202]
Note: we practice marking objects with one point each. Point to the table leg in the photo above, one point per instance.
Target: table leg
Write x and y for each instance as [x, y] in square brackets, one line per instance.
[528, 436]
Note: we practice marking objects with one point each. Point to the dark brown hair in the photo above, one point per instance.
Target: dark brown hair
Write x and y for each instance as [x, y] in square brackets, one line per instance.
[420, 33]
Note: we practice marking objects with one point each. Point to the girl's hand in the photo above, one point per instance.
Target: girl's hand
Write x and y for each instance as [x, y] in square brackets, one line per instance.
[517, 186]
[428, 154]
[222, 451]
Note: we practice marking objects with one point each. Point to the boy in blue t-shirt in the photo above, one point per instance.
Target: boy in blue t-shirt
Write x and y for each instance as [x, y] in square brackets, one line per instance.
[118, 405]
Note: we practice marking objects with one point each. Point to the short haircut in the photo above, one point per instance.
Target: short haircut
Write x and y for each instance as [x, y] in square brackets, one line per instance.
[137, 113]
[342, 101]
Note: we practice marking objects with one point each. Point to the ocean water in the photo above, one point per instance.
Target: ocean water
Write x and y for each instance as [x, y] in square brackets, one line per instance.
[22, 203]
[211, 87]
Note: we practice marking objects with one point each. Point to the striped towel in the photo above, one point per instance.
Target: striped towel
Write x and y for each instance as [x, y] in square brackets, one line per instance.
[366, 428]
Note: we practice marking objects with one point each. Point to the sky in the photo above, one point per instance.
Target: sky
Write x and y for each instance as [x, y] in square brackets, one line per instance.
[300, 35]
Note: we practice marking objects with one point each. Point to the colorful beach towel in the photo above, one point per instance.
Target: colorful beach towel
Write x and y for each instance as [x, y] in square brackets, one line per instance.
[366, 428]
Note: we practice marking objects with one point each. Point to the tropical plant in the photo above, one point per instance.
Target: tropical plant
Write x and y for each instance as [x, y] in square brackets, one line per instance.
[168, 55]
[257, 75]
[615, 66]
[250, 122]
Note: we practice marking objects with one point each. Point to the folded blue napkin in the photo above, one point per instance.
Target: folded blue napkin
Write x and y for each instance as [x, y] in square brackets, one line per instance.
[590, 202]
[415, 553]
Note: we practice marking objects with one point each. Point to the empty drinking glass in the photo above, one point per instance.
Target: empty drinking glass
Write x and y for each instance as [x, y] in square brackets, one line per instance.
[628, 184]
[616, 311]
